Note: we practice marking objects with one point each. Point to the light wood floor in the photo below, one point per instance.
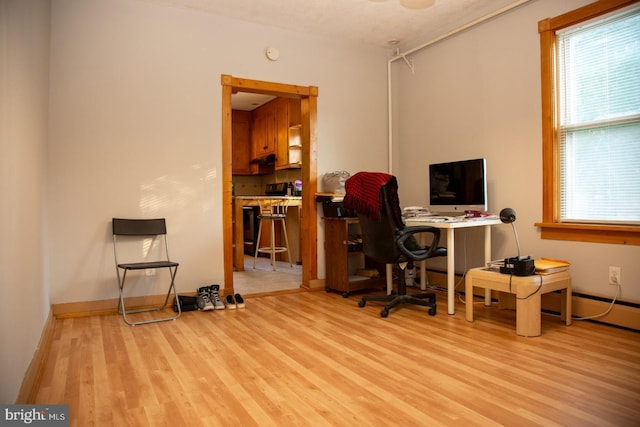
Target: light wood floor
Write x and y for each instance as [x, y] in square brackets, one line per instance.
[316, 359]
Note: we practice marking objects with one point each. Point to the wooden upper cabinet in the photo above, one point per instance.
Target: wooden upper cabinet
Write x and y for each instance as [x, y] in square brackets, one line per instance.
[241, 142]
[273, 128]
[295, 113]
[263, 134]
[289, 147]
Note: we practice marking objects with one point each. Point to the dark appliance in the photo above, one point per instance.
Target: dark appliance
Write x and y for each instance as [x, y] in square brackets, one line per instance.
[278, 189]
[250, 228]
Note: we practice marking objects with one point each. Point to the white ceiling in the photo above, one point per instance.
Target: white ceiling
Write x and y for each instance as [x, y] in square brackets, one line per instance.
[372, 22]
[248, 101]
[382, 23]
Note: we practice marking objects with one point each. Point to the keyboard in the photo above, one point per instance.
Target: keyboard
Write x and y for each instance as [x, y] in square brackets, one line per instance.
[434, 218]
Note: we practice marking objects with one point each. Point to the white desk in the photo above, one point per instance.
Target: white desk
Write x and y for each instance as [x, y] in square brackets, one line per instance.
[451, 226]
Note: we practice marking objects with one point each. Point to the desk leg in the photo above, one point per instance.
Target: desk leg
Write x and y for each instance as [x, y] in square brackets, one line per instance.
[487, 259]
[451, 273]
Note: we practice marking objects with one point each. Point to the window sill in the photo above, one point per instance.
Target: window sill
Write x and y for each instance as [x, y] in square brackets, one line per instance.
[613, 234]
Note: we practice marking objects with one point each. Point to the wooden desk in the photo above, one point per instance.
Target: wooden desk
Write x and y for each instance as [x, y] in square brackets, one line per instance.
[451, 226]
[238, 238]
[527, 290]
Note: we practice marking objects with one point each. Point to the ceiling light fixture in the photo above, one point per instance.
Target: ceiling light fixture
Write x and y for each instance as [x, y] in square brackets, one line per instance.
[412, 4]
[417, 4]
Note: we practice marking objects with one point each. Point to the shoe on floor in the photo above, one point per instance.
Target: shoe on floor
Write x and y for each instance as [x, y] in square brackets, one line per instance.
[214, 295]
[204, 302]
[230, 302]
[239, 301]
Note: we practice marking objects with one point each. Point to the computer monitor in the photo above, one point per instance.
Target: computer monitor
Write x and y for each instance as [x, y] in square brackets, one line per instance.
[457, 186]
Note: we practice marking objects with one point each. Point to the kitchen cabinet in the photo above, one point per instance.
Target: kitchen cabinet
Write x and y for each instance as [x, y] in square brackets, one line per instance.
[263, 132]
[272, 129]
[288, 143]
[241, 142]
[344, 258]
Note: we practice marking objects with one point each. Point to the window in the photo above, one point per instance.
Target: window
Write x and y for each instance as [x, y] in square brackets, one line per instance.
[590, 61]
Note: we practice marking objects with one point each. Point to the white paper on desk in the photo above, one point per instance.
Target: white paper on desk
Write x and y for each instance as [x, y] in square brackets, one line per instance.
[415, 212]
[429, 219]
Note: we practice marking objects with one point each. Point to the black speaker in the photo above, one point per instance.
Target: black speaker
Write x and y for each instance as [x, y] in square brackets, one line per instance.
[519, 266]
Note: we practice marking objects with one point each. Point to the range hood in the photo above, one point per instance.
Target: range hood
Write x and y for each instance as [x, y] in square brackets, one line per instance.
[269, 159]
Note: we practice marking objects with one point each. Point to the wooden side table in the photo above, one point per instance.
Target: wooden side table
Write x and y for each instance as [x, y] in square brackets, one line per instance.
[527, 290]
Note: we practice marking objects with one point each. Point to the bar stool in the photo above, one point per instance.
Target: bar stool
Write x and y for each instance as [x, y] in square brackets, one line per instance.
[273, 210]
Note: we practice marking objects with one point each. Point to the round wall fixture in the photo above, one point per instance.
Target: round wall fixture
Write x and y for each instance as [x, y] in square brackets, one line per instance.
[272, 53]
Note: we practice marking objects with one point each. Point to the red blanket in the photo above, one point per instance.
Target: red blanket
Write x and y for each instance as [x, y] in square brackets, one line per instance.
[364, 196]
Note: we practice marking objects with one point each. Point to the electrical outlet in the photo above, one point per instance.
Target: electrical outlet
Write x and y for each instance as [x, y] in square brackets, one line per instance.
[615, 276]
[150, 272]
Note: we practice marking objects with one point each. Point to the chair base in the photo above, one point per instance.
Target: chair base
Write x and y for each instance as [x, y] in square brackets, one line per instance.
[124, 312]
[426, 300]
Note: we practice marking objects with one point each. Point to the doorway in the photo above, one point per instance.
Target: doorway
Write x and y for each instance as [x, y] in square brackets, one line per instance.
[308, 223]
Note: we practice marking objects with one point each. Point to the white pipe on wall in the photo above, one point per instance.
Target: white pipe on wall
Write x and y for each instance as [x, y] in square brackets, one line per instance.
[403, 55]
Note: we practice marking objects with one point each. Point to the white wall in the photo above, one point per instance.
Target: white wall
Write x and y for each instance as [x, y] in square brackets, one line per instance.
[477, 94]
[135, 128]
[24, 46]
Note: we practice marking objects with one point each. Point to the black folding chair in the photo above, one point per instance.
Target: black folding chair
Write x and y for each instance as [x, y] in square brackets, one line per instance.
[150, 236]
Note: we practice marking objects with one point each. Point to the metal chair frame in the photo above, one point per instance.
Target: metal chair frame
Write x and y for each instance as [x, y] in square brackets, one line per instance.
[144, 229]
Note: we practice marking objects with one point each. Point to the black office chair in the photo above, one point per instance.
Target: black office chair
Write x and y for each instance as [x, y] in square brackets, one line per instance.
[385, 237]
[144, 232]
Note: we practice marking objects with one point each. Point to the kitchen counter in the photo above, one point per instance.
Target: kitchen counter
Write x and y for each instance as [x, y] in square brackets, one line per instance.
[238, 203]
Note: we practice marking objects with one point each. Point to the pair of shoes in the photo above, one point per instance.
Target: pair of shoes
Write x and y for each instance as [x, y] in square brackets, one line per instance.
[239, 300]
[230, 302]
[214, 294]
[204, 301]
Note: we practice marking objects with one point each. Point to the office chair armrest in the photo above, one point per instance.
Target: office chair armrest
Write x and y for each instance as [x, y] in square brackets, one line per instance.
[420, 255]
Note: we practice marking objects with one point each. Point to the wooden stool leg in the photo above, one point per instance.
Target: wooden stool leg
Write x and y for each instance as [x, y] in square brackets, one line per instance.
[468, 298]
[528, 317]
[273, 244]
[255, 256]
[286, 242]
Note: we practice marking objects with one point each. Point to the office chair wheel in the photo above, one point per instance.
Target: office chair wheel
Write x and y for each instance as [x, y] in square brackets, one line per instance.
[362, 303]
[384, 312]
[345, 295]
[432, 310]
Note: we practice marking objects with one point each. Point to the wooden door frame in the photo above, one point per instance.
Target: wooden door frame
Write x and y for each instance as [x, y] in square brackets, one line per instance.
[309, 225]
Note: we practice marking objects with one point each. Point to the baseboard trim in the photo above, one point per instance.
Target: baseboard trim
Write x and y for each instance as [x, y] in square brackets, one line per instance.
[624, 313]
[316, 285]
[110, 306]
[107, 306]
[33, 376]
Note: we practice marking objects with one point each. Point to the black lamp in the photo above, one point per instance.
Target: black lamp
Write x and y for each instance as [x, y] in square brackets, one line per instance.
[508, 216]
[520, 265]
